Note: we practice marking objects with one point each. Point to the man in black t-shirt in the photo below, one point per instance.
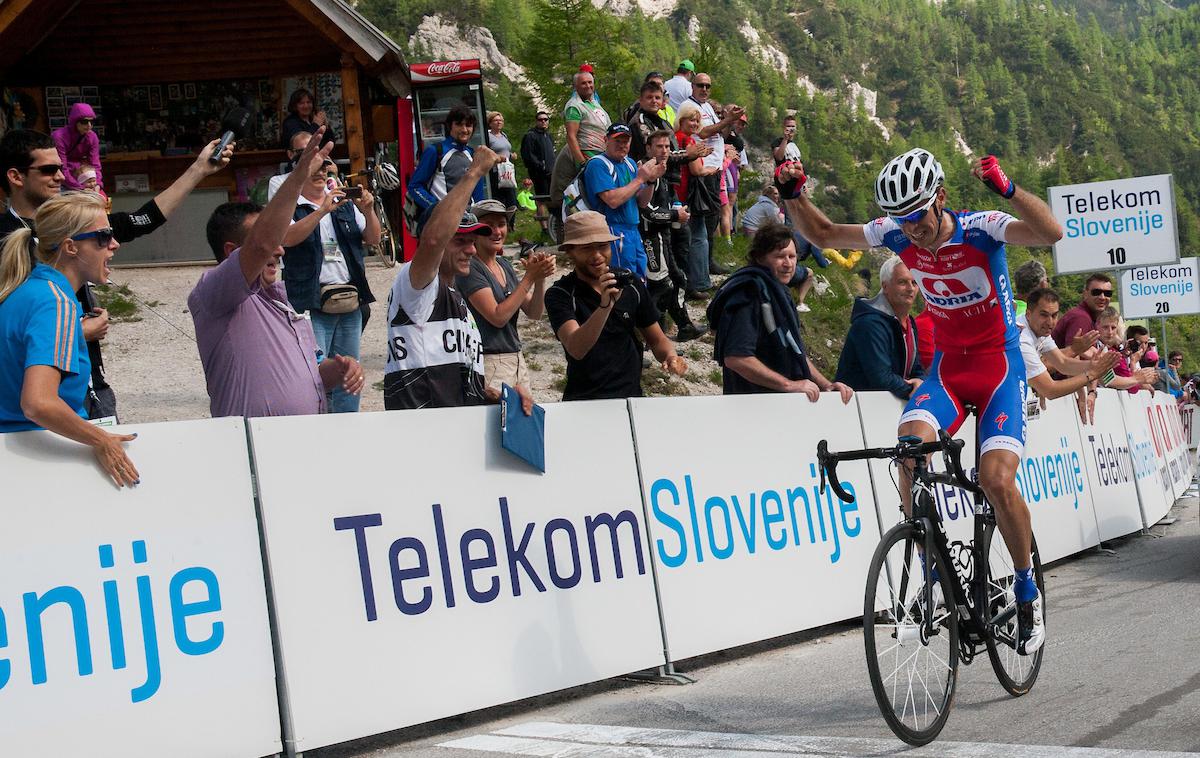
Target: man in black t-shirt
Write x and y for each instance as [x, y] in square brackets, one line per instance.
[31, 174]
[598, 320]
[784, 148]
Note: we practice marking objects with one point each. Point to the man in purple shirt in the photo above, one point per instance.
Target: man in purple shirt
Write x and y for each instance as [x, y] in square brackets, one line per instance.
[1097, 295]
[260, 357]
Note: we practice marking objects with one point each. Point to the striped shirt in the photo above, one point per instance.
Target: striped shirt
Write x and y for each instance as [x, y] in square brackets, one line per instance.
[434, 351]
[39, 326]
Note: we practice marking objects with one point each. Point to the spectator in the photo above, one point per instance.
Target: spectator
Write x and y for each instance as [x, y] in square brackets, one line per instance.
[30, 174]
[43, 364]
[445, 163]
[1029, 276]
[784, 148]
[77, 144]
[324, 267]
[660, 214]
[587, 122]
[880, 352]
[1097, 294]
[260, 357]
[729, 195]
[304, 116]
[646, 117]
[616, 186]
[665, 112]
[434, 350]
[299, 142]
[597, 319]
[764, 211]
[758, 343]
[711, 127]
[495, 297]
[679, 88]
[537, 152]
[702, 200]
[1109, 324]
[499, 143]
[525, 196]
[1041, 313]
[734, 137]
[1168, 375]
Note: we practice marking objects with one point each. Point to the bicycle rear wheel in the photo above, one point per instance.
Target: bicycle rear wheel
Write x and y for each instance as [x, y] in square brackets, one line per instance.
[1016, 672]
[386, 249]
[913, 674]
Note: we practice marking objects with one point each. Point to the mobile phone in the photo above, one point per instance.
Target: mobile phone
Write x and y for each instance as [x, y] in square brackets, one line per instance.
[354, 192]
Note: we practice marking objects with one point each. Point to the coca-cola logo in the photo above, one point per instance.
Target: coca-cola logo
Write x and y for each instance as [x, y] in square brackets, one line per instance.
[450, 67]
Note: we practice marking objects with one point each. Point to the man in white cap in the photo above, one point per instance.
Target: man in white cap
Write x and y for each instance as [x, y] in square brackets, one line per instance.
[598, 318]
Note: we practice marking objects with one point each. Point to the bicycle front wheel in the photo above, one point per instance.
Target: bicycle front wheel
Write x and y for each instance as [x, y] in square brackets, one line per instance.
[1016, 672]
[913, 672]
[386, 249]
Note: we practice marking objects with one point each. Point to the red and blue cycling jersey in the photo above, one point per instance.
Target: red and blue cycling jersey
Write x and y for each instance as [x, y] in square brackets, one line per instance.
[964, 282]
[977, 356]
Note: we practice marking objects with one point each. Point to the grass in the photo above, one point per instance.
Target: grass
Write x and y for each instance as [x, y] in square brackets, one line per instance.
[119, 301]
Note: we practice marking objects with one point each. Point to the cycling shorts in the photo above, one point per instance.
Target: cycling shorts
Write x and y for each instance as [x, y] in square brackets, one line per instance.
[994, 383]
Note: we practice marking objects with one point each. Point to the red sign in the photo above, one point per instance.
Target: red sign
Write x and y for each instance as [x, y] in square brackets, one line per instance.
[445, 71]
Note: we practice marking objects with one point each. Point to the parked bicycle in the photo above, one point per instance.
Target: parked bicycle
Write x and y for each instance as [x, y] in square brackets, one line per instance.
[930, 603]
[382, 177]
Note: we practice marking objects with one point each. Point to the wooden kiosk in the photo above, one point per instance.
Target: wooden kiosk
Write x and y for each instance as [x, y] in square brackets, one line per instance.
[160, 75]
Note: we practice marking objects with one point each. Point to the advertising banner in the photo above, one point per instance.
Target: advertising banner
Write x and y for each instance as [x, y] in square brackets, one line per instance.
[1191, 430]
[1167, 427]
[133, 622]
[745, 546]
[1122, 223]
[1156, 491]
[419, 570]
[1171, 290]
[1112, 468]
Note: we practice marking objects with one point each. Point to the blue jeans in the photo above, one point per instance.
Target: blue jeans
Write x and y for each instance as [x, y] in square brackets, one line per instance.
[339, 335]
[697, 260]
[804, 248]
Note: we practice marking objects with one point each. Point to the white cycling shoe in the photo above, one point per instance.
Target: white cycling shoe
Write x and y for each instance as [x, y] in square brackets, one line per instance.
[1031, 628]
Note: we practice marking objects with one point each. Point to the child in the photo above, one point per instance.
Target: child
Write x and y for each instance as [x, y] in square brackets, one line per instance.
[525, 196]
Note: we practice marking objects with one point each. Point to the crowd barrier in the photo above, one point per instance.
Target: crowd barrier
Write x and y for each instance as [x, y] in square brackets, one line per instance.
[415, 570]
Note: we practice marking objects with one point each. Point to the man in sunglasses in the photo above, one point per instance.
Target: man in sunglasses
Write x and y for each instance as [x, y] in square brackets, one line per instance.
[1097, 295]
[31, 174]
[959, 262]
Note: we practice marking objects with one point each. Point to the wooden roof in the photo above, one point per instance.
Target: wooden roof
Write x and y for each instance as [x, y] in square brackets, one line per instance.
[118, 42]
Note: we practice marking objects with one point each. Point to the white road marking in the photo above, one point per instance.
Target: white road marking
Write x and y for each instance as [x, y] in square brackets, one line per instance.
[540, 738]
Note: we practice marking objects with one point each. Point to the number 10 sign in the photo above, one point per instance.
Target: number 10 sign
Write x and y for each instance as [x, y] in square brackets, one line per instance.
[1169, 290]
[1123, 223]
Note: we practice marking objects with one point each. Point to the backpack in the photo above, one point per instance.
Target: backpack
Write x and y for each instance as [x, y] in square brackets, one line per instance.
[412, 212]
[575, 195]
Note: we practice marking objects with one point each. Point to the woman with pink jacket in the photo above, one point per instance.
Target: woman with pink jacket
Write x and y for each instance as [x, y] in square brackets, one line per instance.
[77, 143]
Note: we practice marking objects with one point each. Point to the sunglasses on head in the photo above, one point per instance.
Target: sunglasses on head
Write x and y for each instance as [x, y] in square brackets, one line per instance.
[1099, 292]
[103, 237]
[913, 217]
[46, 169]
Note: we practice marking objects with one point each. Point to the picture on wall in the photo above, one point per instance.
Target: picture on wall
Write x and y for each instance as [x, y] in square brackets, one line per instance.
[155, 97]
[89, 91]
[189, 91]
[174, 92]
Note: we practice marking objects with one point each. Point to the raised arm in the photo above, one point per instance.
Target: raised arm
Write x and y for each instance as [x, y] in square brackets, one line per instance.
[171, 198]
[808, 219]
[1036, 225]
[443, 221]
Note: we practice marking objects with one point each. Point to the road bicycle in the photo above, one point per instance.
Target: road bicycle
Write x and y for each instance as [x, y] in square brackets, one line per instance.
[931, 603]
[382, 177]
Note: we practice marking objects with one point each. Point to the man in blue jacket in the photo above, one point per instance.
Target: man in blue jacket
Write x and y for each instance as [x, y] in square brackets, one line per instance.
[881, 346]
[444, 163]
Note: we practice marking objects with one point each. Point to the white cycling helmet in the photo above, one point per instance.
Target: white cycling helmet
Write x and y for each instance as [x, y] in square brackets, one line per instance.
[386, 177]
[908, 183]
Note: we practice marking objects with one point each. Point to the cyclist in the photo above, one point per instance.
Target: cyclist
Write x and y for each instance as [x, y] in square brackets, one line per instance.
[958, 260]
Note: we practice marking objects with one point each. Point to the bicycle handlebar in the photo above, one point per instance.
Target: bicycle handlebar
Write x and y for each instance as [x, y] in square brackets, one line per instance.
[950, 448]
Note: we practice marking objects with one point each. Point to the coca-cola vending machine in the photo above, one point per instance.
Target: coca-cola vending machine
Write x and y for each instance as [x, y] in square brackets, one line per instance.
[437, 87]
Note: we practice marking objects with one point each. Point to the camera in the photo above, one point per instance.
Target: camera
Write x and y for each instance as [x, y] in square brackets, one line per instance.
[353, 192]
[624, 276]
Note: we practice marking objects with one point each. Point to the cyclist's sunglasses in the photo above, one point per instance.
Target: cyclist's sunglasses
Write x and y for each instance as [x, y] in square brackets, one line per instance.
[103, 237]
[1097, 292]
[46, 169]
[913, 217]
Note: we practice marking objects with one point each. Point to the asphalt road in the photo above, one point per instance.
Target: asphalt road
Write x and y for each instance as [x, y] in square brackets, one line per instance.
[1121, 676]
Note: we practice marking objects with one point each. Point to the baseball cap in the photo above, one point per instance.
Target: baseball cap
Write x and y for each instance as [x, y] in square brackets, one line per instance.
[469, 224]
[618, 129]
[491, 205]
[687, 64]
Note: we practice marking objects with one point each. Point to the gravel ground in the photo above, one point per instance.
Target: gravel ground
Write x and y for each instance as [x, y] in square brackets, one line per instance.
[152, 363]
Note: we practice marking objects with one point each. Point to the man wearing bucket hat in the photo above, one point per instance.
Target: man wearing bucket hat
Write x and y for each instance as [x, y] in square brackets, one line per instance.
[679, 87]
[597, 314]
[615, 185]
[434, 351]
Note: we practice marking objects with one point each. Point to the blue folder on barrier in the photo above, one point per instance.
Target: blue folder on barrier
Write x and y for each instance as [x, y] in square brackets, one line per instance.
[523, 436]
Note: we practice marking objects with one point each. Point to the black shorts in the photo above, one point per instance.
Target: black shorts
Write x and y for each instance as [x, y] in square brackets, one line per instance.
[541, 184]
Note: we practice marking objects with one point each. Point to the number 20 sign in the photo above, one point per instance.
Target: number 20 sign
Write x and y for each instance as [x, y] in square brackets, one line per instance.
[1171, 290]
[1118, 224]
